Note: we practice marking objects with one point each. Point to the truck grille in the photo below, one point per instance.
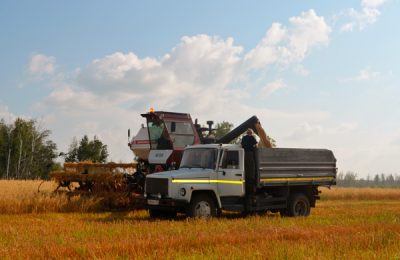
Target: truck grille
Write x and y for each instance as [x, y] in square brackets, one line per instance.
[157, 185]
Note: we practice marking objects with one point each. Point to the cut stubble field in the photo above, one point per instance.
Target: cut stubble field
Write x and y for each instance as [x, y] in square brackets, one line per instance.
[347, 223]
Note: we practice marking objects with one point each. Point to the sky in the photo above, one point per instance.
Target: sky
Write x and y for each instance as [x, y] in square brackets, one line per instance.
[318, 74]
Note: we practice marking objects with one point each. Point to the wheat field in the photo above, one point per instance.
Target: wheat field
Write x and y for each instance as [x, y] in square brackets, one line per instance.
[347, 223]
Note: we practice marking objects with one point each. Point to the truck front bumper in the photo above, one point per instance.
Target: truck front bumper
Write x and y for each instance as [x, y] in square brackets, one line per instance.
[163, 203]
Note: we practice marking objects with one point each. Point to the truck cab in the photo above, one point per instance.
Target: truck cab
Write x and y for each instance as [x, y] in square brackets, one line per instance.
[209, 171]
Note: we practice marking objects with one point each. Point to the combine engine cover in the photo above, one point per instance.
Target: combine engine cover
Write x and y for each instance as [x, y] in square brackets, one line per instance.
[140, 144]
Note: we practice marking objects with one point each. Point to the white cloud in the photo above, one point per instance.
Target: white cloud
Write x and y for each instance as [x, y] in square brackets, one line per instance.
[200, 61]
[360, 19]
[272, 87]
[345, 127]
[6, 115]
[396, 141]
[41, 64]
[72, 112]
[372, 3]
[305, 131]
[348, 27]
[365, 74]
[285, 45]
[301, 70]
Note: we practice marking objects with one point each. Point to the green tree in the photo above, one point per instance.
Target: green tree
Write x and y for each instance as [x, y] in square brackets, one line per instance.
[87, 150]
[72, 154]
[350, 179]
[377, 180]
[222, 129]
[25, 150]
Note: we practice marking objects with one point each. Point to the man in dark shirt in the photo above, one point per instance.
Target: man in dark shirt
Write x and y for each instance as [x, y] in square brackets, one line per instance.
[249, 142]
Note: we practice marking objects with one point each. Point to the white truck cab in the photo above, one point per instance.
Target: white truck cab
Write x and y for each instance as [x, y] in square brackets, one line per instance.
[211, 170]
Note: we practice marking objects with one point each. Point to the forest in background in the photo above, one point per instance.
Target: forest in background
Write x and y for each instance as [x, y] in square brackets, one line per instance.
[26, 151]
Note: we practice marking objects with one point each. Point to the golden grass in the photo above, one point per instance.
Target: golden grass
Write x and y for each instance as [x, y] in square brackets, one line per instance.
[335, 230]
[361, 226]
[23, 197]
[340, 193]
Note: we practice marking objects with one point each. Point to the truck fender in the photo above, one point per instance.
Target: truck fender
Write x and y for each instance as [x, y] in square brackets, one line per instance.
[210, 192]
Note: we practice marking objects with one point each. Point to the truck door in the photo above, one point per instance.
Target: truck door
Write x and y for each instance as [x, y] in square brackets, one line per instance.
[230, 174]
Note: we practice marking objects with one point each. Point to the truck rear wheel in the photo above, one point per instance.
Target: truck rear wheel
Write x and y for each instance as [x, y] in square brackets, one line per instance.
[202, 206]
[298, 206]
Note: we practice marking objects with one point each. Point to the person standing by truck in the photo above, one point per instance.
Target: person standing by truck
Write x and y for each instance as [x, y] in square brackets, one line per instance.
[249, 144]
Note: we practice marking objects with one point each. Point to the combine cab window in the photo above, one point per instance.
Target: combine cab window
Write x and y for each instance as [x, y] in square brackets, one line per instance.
[181, 133]
[158, 135]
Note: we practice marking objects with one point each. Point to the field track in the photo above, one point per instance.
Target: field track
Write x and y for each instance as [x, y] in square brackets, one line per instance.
[346, 224]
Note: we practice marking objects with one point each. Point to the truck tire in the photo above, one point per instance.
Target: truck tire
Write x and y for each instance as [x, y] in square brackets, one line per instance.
[298, 206]
[161, 214]
[202, 206]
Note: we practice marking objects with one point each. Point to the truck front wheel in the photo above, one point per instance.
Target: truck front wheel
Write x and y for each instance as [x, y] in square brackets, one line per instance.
[298, 206]
[202, 206]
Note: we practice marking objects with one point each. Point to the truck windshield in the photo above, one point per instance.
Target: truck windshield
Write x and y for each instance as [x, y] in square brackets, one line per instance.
[199, 158]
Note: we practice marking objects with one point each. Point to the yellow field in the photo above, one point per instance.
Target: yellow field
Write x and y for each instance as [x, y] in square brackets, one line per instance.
[346, 224]
[23, 197]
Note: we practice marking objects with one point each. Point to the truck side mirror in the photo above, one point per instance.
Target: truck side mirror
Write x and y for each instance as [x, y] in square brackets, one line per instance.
[129, 133]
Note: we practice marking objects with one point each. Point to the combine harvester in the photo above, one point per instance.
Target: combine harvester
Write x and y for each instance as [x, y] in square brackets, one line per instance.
[158, 147]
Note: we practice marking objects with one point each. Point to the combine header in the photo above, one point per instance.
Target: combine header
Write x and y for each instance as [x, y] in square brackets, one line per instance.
[94, 177]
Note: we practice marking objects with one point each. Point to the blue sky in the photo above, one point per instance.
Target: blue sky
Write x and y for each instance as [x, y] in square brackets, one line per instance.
[317, 73]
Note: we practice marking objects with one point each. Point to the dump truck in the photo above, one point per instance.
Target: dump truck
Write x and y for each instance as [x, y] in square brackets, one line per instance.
[212, 178]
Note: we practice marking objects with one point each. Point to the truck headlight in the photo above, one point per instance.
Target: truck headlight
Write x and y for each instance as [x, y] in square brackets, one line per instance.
[182, 192]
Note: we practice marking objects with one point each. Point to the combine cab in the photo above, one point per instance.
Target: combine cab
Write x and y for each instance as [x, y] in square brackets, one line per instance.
[168, 134]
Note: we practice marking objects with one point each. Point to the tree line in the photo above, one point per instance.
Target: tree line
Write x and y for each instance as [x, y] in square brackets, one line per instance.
[26, 152]
[350, 179]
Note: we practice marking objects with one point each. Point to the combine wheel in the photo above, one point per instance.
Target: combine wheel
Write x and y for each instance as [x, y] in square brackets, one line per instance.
[298, 206]
[202, 206]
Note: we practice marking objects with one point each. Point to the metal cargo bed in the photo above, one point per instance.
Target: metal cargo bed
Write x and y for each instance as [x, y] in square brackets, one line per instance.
[292, 166]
